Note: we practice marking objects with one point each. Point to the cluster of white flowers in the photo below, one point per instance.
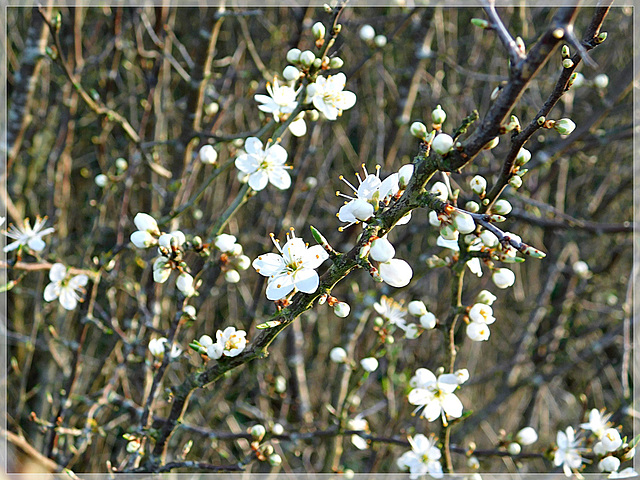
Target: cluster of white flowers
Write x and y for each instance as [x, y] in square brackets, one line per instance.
[423, 458]
[293, 269]
[170, 248]
[229, 342]
[608, 447]
[231, 259]
[64, 287]
[480, 316]
[28, 236]
[434, 396]
[371, 195]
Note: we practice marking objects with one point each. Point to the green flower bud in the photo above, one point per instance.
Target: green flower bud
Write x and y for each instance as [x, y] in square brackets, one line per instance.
[293, 55]
[419, 130]
[492, 144]
[472, 206]
[602, 37]
[318, 30]
[565, 51]
[541, 120]
[380, 41]
[566, 63]
[515, 181]
[564, 126]
[258, 431]
[307, 58]
[438, 115]
[480, 22]
[523, 157]
[336, 62]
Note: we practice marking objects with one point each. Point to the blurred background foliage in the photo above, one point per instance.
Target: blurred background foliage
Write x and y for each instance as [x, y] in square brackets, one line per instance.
[559, 345]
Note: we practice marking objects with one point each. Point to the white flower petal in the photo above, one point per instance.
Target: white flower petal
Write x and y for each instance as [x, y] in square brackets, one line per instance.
[306, 280]
[58, 272]
[279, 287]
[247, 163]
[68, 298]
[258, 180]
[268, 264]
[253, 145]
[52, 291]
[279, 178]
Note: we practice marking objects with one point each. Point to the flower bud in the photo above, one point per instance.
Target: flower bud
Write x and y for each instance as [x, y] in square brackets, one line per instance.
[417, 308]
[367, 33]
[611, 440]
[503, 277]
[257, 432]
[396, 272]
[121, 164]
[275, 460]
[185, 284]
[318, 30]
[307, 58]
[462, 375]
[438, 115]
[609, 464]
[189, 311]
[336, 62]
[514, 448]
[523, 157]
[440, 190]
[419, 130]
[404, 175]
[317, 63]
[449, 232]
[442, 143]
[293, 55]
[478, 185]
[338, 355]
[577, 80]
[212, 108]
[412, 331]
[527, 436]
[277, 429]
[143, 239]
[101, 180]
[480, 22]
[488, 239]
[232, 276]
[501, 207]
[208, 154]
[601, 80]
[382, 250]
[341, 309]
[492, 144]
[369, 364]
[472, 206]
[146, 222]
[601, 37]
[242, 262]
[290, 73]
[428, 321]
[515, 181]
[567, 63]
[380, 41]
[473, 463]
[463, 222]
[225, 242]
[564, 126]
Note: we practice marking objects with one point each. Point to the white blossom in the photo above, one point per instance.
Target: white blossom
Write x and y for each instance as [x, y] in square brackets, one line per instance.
[478, 332]
[434, 396]
[264, 165]
[63, 288]
[598, 422]
[185, 284]
[280, 102]
[481, 313]
[161, 269]
[229, 342]
[428, 321]
[440, 190]
[225, 242]
[463, 222]
[501, 207]
[611, 440]
[423, 458]
[146, 223]
[626, 473]
[568, 453]
[486, 297]
[329, 97]
[391, 311]
[478, 185]
[294, 268]
[367, 33]
[25, 235]
[609, 464]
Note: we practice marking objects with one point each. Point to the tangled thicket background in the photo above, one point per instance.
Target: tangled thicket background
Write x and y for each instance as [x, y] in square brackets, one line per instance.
[561, 342]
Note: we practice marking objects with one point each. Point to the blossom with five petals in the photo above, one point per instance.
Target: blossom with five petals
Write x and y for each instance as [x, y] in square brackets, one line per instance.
[63, 288]
[329, 97]
[424, 457]
[293, 269]
[434, 396]
[264, 164]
